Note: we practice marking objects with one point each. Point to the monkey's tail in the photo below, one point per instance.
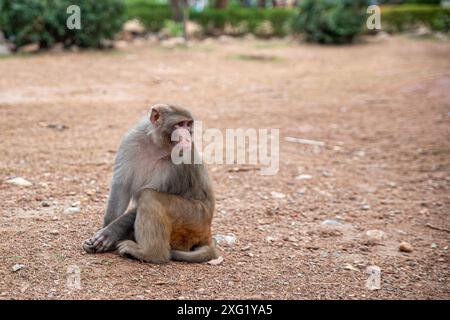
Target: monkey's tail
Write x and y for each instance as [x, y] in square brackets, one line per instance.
[198, 255]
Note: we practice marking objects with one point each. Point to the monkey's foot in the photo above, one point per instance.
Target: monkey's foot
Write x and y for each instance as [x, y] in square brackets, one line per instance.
[102, 241]
[124, 248]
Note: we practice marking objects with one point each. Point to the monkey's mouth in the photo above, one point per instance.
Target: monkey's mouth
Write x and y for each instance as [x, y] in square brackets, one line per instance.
[182, 138]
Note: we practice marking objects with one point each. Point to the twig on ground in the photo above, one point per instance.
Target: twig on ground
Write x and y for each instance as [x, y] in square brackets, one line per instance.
[243, 169]
[305, 141]
[437, 228]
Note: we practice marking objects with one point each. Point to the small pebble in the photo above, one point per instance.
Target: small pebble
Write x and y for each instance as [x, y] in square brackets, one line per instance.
[304, 177]
[330, 222]
[72, 210]
[375, 235]
[229, 239]
[405, 247]
[17, 267]
[326, 174]
[348, 266]
[45, 204]
[270, 239]
[290, 238]
[277, 195]
[216, 262]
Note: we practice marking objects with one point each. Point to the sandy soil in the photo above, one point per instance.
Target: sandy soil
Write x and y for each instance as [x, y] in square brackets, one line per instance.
[382, 109]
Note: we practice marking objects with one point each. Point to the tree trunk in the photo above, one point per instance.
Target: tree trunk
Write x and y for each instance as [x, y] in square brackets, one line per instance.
[221, 4]
[261, 3]
[177, 11]
[185, 9]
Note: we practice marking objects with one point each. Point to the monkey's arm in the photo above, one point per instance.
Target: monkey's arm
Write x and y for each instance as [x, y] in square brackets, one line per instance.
[106, 239]
[122, 227]
[118, 201]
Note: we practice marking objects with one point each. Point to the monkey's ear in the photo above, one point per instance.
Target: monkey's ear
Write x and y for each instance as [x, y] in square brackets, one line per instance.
[154, 115]
[157, 111]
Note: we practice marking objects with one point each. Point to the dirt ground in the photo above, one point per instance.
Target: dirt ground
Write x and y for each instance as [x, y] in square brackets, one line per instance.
[381, 108]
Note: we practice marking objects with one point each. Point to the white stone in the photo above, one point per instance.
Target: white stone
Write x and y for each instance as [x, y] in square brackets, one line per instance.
[72, 210]
[228, 239]
[17, 267]
[277, 195]
[216, 262]
[304, 177]
[19, 182]
[376, 235]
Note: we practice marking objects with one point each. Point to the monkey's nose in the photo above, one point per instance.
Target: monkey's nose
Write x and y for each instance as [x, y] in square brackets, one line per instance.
[183, 137]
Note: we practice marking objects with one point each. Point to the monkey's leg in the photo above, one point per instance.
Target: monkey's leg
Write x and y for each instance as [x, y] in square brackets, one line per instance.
[106, 239]
[190, 222]
[152, 233]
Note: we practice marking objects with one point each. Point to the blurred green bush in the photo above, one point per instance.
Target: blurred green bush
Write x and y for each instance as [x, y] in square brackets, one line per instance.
[173, 28]
[323, 21]
[151, 13]
[330, 21]
[44, 22]
[244, 20]
[406, 17]
[408, 1]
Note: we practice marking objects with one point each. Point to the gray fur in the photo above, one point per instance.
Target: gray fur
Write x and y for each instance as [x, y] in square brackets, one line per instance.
[198, 255]
[141, 163]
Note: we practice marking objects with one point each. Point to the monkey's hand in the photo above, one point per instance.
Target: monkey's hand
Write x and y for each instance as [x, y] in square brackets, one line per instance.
[104, 240]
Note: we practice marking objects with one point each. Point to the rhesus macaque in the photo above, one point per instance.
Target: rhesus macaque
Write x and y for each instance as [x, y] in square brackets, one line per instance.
[173, 203]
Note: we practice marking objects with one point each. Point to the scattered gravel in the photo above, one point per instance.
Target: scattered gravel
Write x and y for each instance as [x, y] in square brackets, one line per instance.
[386, 145]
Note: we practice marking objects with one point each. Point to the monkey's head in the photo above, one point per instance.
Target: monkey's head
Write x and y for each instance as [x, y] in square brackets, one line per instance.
[172, 125]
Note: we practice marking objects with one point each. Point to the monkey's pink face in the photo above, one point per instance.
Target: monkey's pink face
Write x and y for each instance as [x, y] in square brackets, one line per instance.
[181, 135]
[173, 126]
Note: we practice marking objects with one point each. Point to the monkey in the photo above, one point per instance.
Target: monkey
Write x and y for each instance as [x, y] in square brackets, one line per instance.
[172, 204]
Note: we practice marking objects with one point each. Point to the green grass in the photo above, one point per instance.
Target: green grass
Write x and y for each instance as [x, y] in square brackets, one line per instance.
[271, 45]
[256, 57]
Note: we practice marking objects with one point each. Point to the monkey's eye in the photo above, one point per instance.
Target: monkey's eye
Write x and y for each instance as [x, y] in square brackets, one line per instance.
[185, 124]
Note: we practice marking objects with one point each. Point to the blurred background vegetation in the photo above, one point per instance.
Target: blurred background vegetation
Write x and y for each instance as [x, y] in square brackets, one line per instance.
[23, 22]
